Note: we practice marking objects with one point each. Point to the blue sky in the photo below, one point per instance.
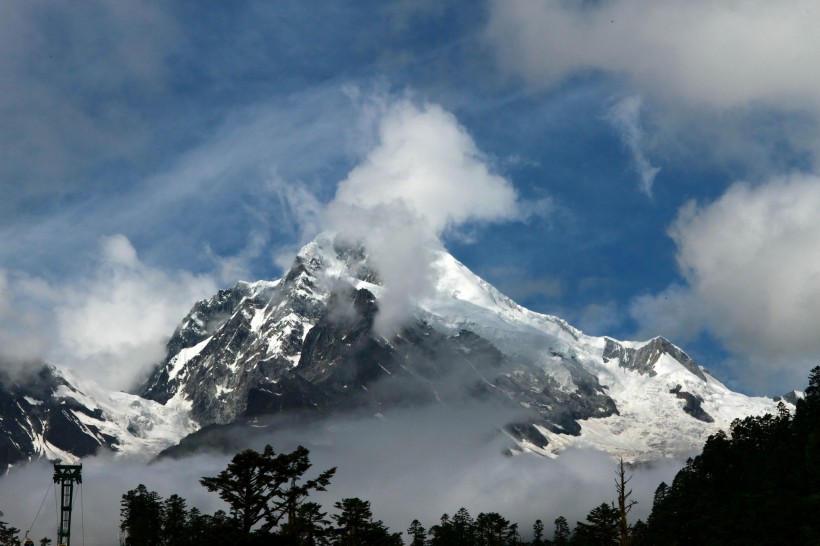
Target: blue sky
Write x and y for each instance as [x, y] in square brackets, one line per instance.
[636, 169]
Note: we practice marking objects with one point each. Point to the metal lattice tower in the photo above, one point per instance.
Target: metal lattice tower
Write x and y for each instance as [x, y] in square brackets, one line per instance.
[66, 475]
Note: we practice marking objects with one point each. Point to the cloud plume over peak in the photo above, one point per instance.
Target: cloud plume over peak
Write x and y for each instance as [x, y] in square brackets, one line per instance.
[426, 160]
[424, 177]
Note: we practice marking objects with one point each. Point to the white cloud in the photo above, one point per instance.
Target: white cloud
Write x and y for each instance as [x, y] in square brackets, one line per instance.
[752, 263]
[718, 53]
[625, 116]
[429, 162]
[672, 313]
[423, 177]
[114, 325]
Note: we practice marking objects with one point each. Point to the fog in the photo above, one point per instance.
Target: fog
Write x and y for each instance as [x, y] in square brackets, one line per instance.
[411, 464]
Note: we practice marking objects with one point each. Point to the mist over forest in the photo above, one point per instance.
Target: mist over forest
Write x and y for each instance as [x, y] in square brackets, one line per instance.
[410, 464]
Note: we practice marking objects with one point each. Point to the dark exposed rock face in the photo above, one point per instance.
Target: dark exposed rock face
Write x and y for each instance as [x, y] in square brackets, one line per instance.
[559, 410]
[693, 405]
[790, 397]
[327, 359]
[643, 360]
[31, 408]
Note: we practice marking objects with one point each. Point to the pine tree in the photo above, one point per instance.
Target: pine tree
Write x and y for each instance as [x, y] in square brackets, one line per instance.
[198, 526]
[8, 535]
[538, 533]
[492, 529]
[175, 521]
[310, 527]
[246, 485]
[354, 519]
[638, 534]
[418, 534]
[602, 529]
[462, 526]
[141, 515]
[290, 492]
[265, 486]
[439, 534]
[357, 528]
[561, 534]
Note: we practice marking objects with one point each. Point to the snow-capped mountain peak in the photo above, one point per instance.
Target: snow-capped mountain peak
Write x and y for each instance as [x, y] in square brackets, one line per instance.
[306, 342]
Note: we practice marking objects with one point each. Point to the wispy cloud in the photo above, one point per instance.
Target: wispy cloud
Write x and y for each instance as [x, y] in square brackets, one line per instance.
[730, 83]
[625, 116]
[65, 69]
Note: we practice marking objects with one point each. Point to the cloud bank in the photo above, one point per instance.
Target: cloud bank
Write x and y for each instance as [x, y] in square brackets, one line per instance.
[752, 267]
[721, 54]
[726, 85]
[109, 327]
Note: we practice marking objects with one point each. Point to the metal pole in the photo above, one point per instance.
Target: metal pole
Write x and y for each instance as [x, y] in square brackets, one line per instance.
[66, 475]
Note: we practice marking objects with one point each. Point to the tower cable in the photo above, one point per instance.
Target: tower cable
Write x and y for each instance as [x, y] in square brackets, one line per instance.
[39, 509]
[82, 514]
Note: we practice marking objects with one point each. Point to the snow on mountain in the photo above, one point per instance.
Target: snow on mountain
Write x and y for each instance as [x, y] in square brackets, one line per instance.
[306, 343]
[666, 403]
[56, 415]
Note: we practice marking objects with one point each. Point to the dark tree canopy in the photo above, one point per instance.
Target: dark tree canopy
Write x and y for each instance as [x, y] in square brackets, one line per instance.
[757, 485]
[141, 517]
[601, 528]
[357, 528]
[266, 487]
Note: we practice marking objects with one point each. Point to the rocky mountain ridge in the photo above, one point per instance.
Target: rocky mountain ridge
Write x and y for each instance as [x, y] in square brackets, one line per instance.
[307, 343]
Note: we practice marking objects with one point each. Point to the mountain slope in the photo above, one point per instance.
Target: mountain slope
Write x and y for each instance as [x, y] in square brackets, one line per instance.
[52, 414]
[307, 343]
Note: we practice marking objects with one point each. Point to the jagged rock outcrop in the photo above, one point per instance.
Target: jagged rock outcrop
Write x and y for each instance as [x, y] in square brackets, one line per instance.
[643, 359]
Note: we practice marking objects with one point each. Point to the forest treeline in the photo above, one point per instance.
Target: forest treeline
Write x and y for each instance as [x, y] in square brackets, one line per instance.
[758, 484]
